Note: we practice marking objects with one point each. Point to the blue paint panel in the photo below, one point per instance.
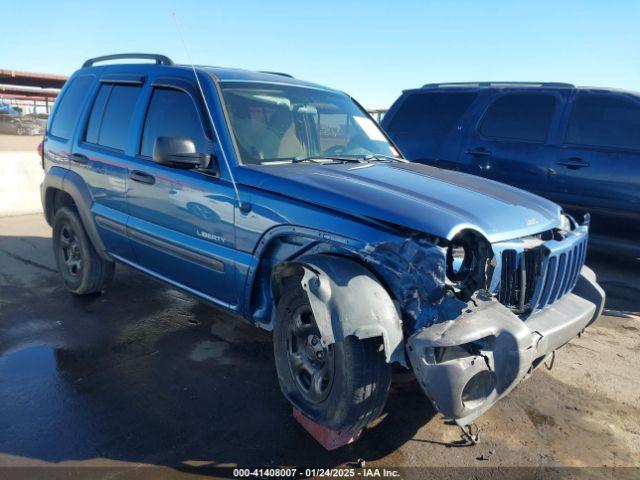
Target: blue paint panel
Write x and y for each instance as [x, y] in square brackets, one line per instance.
[113, 229]
[412, 195]
[190, 261]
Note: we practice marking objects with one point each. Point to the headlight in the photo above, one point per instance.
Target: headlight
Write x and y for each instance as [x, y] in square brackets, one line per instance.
[467, 257]
[565, 223]
[461, 259]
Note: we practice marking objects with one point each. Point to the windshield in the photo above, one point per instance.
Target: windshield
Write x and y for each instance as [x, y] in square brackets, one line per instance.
[275, 123]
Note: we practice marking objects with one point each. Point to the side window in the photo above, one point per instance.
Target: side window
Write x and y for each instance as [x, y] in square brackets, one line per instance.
[97, 111]
[519, 116]
[172, 113]
[71, 103]
[111, 114]
[605, 120]
[430, 115]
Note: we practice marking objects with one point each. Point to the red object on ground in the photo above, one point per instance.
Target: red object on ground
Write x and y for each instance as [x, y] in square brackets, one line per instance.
[329, 439]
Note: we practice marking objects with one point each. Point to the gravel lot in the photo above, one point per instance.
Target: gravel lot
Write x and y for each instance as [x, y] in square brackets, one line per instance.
[146, 376]
[17, 142]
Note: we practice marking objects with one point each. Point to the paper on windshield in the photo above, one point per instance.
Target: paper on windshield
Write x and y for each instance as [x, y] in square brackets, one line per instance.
[370, 128]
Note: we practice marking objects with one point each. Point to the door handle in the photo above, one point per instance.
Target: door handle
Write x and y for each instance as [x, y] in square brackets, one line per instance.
[142, 177]
[478, 152]
[573, 163]
[78, 158]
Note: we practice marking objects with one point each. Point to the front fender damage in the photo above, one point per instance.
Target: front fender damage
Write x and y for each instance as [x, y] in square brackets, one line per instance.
[466, 354]
[414, 270]
[347, 299]
[393, 289]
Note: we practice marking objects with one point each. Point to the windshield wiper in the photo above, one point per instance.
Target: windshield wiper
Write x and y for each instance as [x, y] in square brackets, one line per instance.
[336, 158]
[382, 158]
[326, 157]
[349, 158]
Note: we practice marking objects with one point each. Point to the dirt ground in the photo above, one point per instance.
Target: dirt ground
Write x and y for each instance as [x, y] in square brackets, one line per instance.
[19, 143]
[145, 376]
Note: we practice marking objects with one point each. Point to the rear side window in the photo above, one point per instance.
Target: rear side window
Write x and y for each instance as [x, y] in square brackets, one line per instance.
[172, 113]
[111, 114]
[429, 116]
[524, 117]
[70, 106]
[93, 127]
[605, 120]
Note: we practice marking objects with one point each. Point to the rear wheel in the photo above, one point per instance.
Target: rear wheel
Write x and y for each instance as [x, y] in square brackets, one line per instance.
[342, 386]
[83, 270]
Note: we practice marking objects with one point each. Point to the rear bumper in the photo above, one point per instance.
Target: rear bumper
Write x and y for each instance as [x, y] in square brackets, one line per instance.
[467, 364]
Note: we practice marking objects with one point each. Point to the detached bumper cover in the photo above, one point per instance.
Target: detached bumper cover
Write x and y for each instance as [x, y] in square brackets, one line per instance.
[467, 364]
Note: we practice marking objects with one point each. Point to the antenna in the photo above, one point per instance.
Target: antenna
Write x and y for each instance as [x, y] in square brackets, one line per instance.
[241, 205]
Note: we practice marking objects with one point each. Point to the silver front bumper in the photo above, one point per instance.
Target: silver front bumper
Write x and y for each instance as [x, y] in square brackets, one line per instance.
[467, 364]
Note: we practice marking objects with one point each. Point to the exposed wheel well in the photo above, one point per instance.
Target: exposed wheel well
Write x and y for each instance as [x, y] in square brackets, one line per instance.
[55, 199]
[346, 299]
[262, 293]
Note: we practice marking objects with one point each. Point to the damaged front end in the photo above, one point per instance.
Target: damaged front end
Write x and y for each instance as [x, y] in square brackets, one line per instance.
[504, 308]
[471, 318]
[465, 365]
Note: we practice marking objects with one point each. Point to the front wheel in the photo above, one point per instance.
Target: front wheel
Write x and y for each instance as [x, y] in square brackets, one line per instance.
[342, 386]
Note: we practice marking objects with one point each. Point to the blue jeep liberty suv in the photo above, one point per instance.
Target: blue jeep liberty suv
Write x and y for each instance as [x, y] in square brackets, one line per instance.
[283, 202]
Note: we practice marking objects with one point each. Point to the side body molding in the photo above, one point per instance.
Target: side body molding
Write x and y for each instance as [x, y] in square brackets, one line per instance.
[70, 182]
[347, 299]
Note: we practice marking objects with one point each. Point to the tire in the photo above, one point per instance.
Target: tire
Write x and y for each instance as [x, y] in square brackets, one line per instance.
[354, 387]
[83, 270]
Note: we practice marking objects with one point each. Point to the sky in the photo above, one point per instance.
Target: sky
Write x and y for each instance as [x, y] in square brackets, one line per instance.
[370, 49]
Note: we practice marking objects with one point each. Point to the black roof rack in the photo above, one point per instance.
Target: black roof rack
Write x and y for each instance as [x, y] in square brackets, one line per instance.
[160, 59]
[499, 84]
[278, 73]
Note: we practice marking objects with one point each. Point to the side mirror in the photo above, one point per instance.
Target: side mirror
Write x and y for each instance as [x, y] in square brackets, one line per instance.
[178, 152]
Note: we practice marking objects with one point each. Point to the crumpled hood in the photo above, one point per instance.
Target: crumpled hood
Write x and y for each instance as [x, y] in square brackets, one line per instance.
[419, 197]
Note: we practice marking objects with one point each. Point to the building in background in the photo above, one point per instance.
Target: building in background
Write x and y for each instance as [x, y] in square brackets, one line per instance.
[28, 93]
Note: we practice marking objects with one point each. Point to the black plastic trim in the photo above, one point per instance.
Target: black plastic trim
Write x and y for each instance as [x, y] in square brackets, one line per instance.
[74, 185]
[111, 225]
[176, 250]
[160, 59]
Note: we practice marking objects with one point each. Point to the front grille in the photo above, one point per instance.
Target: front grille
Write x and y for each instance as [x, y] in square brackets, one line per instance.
[534, 279]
